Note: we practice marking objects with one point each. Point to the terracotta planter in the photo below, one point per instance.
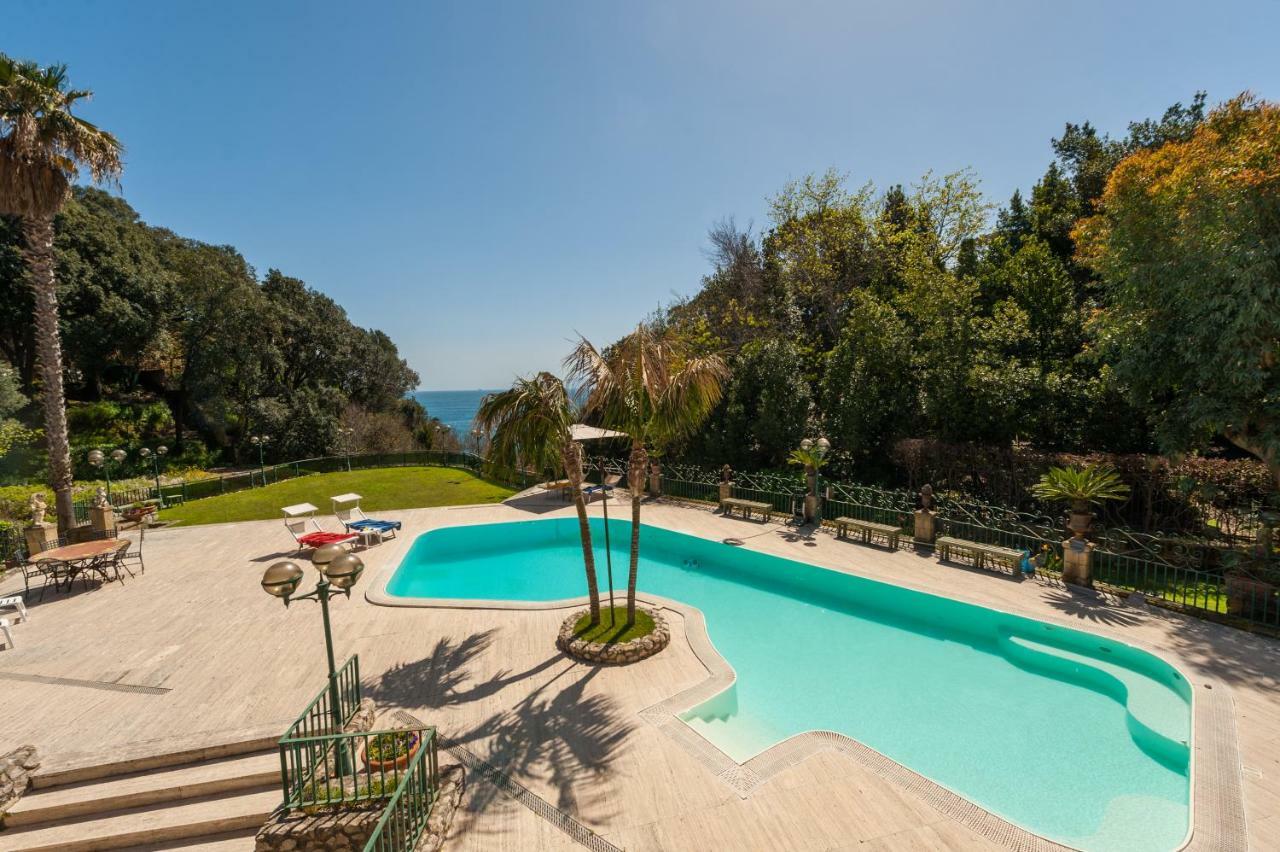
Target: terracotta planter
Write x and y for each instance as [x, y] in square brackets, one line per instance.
[391, 764]
[1247, 595]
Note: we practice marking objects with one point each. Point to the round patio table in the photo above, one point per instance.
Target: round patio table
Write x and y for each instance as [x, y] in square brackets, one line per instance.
[82, 556]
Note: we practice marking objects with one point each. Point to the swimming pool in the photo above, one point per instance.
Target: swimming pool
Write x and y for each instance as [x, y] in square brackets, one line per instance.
[1073, 736]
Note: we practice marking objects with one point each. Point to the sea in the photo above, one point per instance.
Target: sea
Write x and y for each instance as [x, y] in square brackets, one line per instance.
[455, 409]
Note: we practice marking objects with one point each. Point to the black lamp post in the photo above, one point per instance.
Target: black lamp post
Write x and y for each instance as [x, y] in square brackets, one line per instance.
[161, 452]
[98, 459]
[261, 441]
[339, 571]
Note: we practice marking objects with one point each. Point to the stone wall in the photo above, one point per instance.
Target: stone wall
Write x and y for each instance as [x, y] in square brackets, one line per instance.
[614, 653]
[16, 768]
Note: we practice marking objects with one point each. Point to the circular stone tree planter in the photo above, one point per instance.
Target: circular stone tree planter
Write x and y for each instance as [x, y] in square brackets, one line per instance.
[613, 653]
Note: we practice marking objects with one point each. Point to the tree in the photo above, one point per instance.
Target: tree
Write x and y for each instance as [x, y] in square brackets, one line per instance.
[1185, 244]
[529, 425]
[42, 149]
[868, 395]
[764, 409]
[650, 385]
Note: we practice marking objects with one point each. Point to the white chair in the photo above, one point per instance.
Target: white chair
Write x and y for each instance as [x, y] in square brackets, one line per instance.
[15, 602]
[8, 634]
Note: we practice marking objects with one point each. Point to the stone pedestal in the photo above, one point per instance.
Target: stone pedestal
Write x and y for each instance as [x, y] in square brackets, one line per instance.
[655, 481]
[102, 518]
[1076, 553]
[926, 527]
[41, 538]
[726, 491]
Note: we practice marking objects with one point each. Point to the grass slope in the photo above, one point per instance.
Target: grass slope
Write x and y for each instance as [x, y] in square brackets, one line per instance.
[381, 488]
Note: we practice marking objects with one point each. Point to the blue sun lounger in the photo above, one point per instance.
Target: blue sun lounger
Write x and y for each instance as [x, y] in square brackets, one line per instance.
[346, 507]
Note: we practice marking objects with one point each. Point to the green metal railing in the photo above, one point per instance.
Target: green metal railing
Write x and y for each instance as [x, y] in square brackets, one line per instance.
[324, 767]
[1207, 579]
[311, 743]
[406, 814]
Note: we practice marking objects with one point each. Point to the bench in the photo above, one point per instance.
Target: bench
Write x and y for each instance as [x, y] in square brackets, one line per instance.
[869, 530]
[979, 553]
[728, 504]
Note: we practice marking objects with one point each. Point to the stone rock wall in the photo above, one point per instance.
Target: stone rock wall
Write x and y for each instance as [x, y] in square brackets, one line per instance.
[298, 832]
[16, 768]
[614, 653]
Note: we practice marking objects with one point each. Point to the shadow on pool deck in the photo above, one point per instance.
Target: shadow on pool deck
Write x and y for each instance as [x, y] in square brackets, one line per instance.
[555, 734]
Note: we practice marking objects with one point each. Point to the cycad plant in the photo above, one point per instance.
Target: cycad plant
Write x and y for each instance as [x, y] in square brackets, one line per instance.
[651, 385]
[529, 425]
[1083, 488]
[42, 149]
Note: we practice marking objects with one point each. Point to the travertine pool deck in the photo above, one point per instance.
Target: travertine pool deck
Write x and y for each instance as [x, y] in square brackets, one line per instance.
[216, 655]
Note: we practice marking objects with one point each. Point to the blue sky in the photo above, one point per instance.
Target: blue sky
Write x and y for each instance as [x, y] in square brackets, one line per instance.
[483, 180]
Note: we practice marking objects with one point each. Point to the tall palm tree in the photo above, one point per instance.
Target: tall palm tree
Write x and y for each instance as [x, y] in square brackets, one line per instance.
[42, 149]
[652, 386]
[529, 425]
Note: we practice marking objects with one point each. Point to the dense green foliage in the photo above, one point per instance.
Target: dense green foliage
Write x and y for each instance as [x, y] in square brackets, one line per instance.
[871, 317]
[381, 488]
[1186, 242]
[172, 340]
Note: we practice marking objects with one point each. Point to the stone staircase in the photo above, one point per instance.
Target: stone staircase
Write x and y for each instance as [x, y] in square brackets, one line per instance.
[211, 799]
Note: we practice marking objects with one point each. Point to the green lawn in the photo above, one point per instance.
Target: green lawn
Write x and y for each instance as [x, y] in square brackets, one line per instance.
[613, 626]
[381, 488]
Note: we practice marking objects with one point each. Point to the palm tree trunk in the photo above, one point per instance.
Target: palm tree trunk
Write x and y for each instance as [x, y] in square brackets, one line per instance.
[571, 454]
[636, 467]
[38, 234]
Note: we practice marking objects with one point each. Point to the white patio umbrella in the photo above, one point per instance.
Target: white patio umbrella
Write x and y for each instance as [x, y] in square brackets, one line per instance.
[582, 432]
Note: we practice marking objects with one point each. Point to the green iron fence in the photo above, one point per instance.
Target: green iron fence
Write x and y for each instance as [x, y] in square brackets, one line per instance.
[311, 742]
[1205, 578]
[323, 767]
[410, 805]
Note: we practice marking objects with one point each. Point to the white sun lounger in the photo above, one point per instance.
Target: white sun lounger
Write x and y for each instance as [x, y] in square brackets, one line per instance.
[15, 602]
[8, 634]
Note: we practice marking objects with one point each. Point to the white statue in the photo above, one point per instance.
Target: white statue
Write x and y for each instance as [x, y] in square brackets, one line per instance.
[37, 506]
[100, 498]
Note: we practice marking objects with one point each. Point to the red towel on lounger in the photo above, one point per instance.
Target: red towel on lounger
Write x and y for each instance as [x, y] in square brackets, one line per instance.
[320, 539]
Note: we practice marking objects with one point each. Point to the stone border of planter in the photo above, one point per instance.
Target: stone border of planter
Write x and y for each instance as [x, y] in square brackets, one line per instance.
[614, 653]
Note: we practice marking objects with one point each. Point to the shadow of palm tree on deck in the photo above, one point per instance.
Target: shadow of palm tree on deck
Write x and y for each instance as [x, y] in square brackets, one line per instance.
[440, 679]
[1088, 606]
[553, 735]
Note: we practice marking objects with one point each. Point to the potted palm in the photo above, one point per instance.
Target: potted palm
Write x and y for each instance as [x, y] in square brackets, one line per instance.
[812, 455]
[1083, 488]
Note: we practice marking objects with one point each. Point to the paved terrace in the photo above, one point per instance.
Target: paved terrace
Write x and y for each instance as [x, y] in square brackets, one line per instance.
[230, 659]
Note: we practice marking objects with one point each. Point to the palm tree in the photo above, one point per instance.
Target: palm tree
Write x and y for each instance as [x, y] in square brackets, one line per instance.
[653, 387]
[42, 149]
[529, 425]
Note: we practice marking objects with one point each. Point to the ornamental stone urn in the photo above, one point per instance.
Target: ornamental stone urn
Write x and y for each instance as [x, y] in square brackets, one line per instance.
[1081, 518]
[655, 479]
[926, 531]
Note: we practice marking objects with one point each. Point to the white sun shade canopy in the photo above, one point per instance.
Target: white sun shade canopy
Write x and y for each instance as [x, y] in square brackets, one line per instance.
[583, 432]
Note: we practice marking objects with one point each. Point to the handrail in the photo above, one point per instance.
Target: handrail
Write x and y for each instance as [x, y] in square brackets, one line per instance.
[406, 814]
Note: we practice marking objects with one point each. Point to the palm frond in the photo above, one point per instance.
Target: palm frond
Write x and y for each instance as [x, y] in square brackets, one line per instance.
[42, 145]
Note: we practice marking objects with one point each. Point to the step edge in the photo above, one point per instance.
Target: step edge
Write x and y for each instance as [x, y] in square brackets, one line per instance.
[62, 776]
[81, 809]
[165, 834]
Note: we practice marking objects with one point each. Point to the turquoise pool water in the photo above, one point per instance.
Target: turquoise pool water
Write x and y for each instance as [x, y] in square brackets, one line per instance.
[1073, 736]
